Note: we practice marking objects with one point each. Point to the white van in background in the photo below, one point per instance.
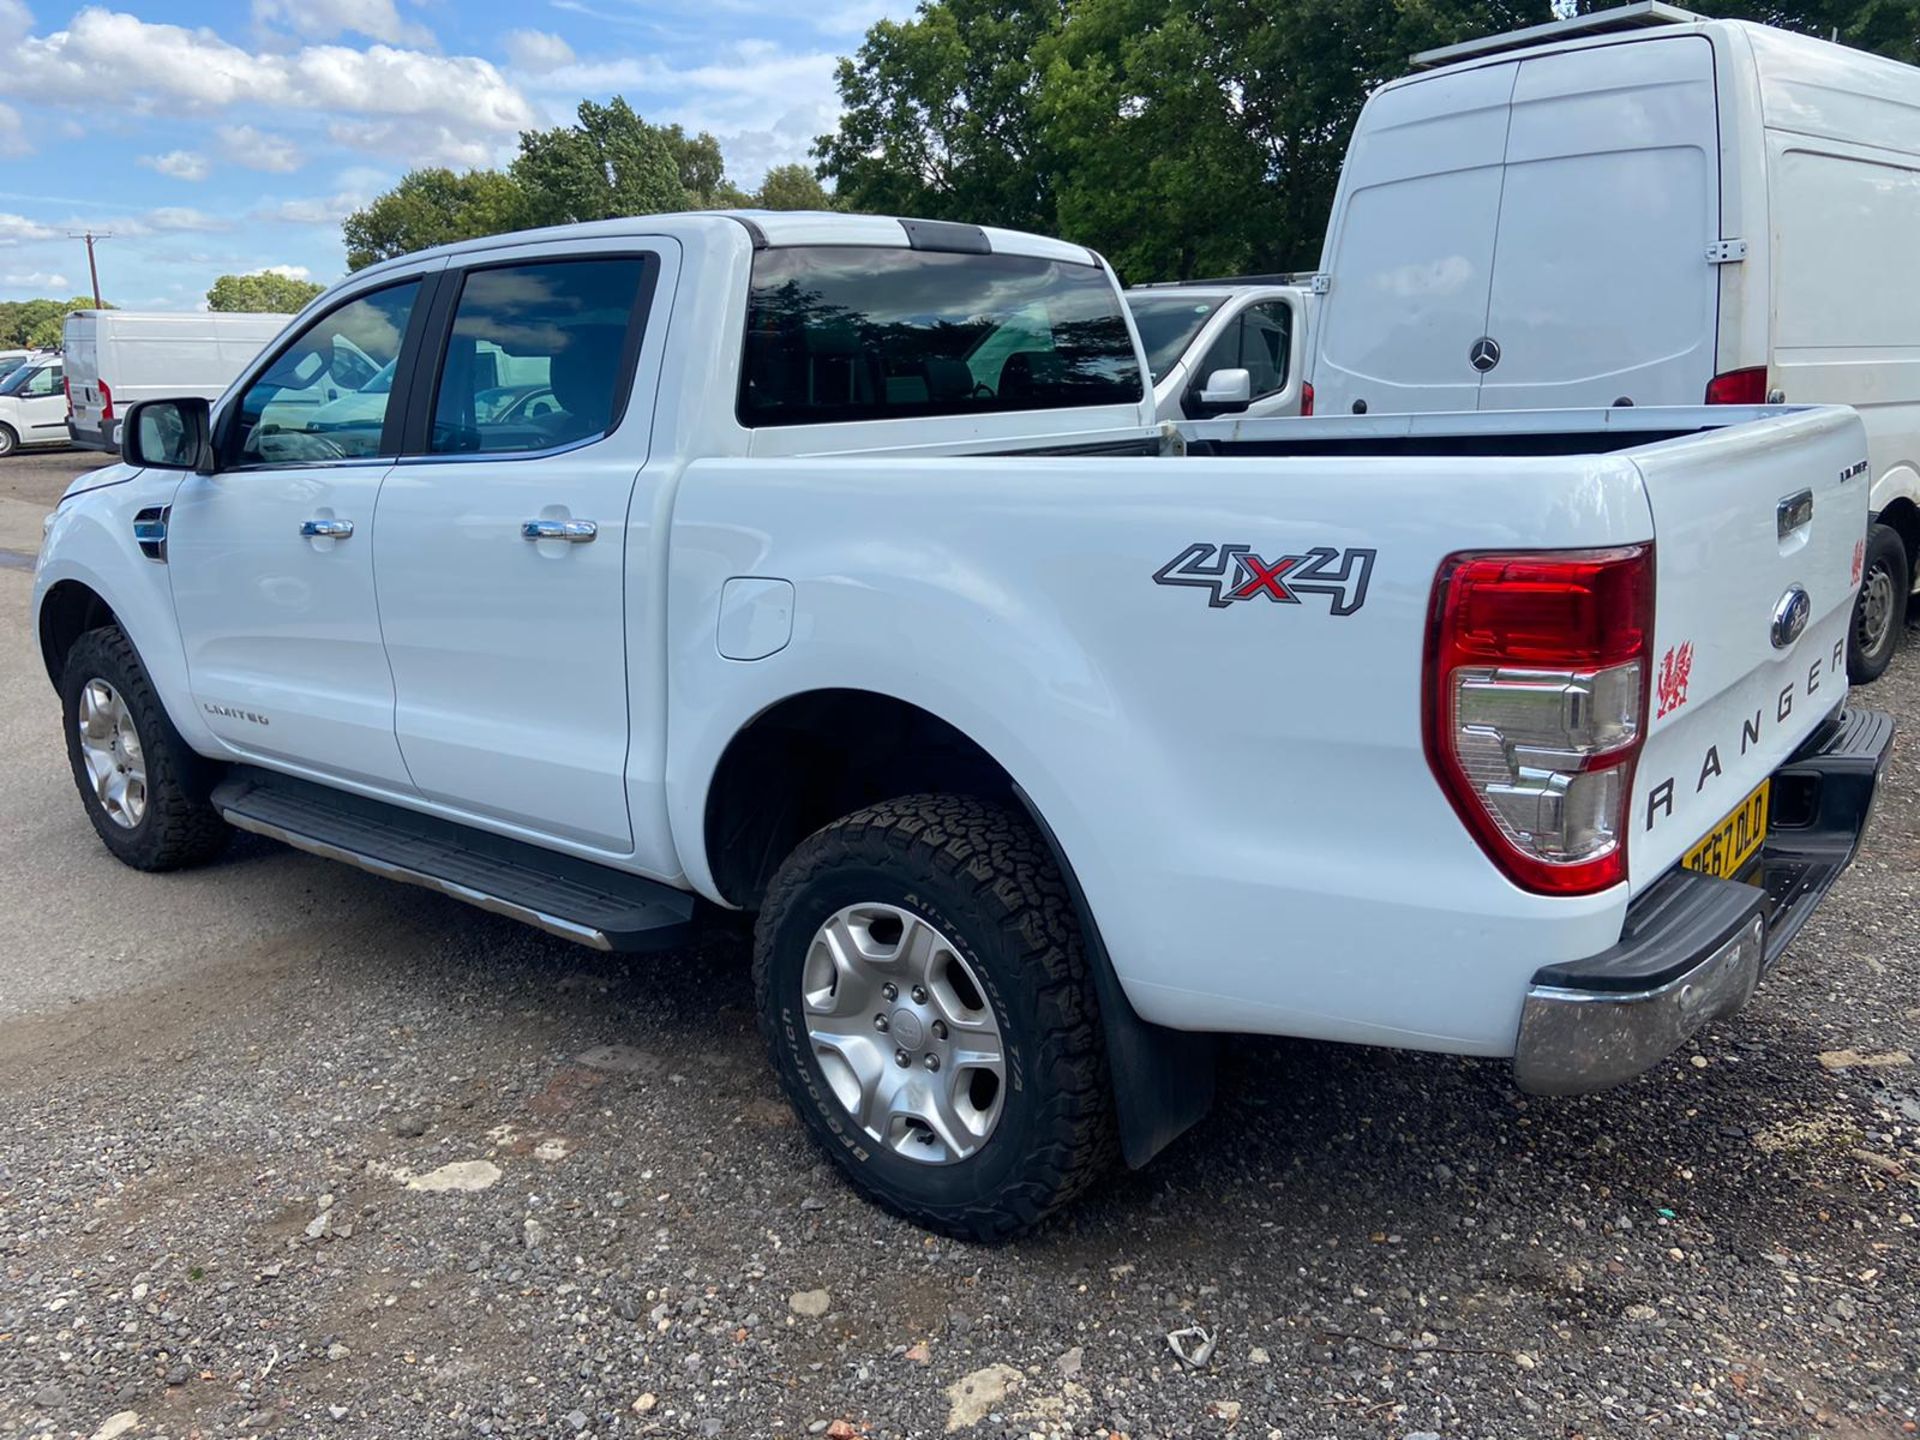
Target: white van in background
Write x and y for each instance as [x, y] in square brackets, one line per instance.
[1642, 206]
[117, 357]
[1225, 347]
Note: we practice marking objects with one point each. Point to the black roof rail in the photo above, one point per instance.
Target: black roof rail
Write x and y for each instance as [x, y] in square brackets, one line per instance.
[1296, 277]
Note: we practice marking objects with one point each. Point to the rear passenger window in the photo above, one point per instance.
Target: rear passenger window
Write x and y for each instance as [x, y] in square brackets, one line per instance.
[538, 356]
[867, 333]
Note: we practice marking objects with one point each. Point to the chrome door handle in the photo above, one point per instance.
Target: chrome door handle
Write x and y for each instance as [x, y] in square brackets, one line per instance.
[326, 529]
[574, 532]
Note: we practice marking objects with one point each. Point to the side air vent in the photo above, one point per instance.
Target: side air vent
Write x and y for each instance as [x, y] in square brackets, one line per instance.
[150, 530]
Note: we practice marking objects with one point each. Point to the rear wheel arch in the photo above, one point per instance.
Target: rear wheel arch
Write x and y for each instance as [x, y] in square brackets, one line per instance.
[815, 757]
[1902, 516]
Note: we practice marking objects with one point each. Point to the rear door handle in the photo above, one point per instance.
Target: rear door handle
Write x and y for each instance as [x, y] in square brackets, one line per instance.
[326, 529]
[574, 532]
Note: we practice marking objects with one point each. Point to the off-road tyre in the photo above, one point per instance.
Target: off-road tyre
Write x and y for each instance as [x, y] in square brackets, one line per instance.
[981, 875]
[179, 828]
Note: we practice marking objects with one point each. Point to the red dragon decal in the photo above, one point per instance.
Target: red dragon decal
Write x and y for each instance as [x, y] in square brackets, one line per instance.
[1676, 668]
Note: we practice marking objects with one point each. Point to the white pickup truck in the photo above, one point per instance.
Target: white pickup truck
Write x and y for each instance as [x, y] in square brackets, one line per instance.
[849, 580]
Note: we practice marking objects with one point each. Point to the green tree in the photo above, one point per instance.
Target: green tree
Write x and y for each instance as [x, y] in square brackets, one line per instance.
[261, 293]
[610, 163]
[1886, 27]
[940, 118]
[38, 324]
[702, 168]
[791, 187]
[434, 207]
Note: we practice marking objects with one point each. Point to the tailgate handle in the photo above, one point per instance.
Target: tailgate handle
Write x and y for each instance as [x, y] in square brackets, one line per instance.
[1794, 512]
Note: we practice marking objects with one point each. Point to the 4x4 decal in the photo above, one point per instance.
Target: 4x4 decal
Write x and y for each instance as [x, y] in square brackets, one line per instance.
[1233, 572]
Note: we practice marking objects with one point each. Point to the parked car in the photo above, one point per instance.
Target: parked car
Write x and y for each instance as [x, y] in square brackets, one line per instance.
[33, 405]
[1225, 347]
[854, 583]
[12, 360]
[118, 357]
[1643, 207]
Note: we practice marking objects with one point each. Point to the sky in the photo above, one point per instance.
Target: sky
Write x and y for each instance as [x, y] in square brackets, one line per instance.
[233, 135]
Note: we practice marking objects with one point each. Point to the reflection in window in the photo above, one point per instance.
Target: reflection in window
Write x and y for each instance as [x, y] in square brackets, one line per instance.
[866, 333]
[536, 356]
[325, 396]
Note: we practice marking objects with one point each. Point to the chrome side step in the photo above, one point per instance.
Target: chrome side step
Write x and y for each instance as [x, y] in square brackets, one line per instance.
[574, 899]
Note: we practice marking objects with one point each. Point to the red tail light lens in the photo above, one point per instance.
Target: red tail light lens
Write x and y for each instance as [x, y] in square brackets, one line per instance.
[1537, 671]
[1739, 387]
[66, 385]
[1306, 397]
[106, 401]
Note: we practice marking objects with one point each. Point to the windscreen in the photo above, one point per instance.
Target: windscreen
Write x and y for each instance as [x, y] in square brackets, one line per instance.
[17, 378]
[838, 333]
[1167, 325]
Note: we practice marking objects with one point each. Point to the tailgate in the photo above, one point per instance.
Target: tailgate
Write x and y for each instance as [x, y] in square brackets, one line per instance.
[1744, 518]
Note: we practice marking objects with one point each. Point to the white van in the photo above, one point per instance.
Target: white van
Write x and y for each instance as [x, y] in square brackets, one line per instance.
[33, 405]
[1225, 347]
[1645, 207]
[116, 357]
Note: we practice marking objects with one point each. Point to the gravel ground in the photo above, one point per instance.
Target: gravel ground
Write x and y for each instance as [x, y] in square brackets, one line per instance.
[230, 1101]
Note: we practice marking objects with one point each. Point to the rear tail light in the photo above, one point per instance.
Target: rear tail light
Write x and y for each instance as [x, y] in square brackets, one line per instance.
[106, 401]
[1306, 397]
[66, 385]
[1537, 675]
[1739, 387]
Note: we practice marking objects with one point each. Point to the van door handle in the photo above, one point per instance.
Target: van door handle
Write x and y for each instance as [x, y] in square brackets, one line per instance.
[574, 532]
[326, 529]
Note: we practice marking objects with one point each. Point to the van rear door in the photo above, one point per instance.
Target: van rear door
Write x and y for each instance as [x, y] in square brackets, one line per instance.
[1411, 249]
[1602, 289]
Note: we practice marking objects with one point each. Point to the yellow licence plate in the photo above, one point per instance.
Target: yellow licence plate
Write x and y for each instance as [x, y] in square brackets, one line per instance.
[1731, 843]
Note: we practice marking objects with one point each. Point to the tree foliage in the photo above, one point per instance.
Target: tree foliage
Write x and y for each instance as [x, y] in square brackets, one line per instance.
[261, 293]
[434, 207]
[1178, 137]
[38, 324]
[609, 162]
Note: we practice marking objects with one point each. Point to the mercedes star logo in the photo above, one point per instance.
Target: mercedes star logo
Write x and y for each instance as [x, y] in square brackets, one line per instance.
[1484, 354]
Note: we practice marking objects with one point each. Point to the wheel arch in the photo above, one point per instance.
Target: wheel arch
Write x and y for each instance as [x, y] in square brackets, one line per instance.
[69, 609]
[814, 756]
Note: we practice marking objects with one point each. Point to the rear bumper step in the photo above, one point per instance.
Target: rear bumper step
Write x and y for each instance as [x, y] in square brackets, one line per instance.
[1694, 947]
[575, 899]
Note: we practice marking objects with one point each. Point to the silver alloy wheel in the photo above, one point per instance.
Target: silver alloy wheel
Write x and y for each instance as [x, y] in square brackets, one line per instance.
[110, 745]
[1876, 611]
[904, 1033]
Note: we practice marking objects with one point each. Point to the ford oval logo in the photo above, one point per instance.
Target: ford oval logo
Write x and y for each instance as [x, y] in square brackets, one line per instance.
[1790, 616]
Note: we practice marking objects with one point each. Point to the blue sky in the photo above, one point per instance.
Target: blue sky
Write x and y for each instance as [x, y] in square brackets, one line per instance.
[233, 135]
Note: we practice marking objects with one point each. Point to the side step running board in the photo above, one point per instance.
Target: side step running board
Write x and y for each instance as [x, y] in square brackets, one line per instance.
[561, 894]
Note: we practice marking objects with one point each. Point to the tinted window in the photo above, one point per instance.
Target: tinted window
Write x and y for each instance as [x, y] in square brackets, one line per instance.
[862, 333]
[17, 378]
[1259, 342]
[537, 355]
[1167, 325]
[324, 397]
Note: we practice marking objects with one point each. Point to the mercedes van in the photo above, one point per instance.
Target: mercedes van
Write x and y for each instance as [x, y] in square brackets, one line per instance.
[1642, 207]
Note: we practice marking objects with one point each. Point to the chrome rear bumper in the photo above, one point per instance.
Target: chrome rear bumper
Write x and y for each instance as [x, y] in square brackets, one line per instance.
[1695, 947]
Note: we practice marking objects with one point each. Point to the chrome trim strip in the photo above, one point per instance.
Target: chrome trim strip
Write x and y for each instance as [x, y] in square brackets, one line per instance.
[539, 919]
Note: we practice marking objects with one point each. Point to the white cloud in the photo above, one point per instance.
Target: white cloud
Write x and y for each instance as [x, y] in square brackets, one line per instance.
[311, 210]
[36, 280]
[422, 142]
[17, 228]
[183, 217]
[324, 19]
[107, 58]
[13, 135]
[290, 272]
[536, 51]
[180, 164]
[259, 149]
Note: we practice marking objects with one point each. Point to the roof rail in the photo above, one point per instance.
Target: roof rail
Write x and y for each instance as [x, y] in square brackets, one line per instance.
[1296, 277]
[1601, 22]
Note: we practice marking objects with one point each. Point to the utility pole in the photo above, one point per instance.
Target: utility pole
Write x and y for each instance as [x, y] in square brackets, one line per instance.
[93, 270]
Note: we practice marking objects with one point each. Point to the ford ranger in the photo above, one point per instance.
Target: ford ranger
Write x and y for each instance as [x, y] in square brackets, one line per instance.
[834, 568]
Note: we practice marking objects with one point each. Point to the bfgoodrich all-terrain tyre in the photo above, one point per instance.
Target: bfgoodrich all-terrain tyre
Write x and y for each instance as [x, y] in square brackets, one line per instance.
[1880, 612]
[924, 992]
[144, 790]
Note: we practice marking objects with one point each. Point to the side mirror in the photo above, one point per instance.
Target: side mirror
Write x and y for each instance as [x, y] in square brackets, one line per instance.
[168, 434]
[1228, 390]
